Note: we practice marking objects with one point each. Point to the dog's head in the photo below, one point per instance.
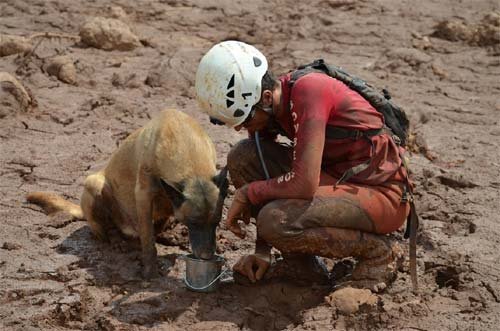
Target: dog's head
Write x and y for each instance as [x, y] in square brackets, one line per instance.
[198, 204]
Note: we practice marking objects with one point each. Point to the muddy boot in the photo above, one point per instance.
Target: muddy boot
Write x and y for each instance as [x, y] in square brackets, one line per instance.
[342, 269]
[375, 273]
[376, 255]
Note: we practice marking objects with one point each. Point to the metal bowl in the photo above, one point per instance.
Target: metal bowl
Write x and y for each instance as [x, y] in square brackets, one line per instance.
[203, 275]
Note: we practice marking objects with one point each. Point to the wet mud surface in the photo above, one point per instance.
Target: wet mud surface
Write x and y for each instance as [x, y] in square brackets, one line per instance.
[440, 60]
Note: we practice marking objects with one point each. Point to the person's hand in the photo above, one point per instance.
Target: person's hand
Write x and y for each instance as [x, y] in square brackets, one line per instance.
[254, 266]
[239, 210]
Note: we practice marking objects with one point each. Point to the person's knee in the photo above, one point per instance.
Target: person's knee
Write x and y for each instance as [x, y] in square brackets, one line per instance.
[271, 222]
[241, 153]
[240, 160]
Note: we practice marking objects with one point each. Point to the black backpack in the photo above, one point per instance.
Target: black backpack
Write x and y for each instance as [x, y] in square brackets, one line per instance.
[394, 117]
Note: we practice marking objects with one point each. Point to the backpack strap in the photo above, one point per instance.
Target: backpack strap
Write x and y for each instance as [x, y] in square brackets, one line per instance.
[412, 224]
[335, 132]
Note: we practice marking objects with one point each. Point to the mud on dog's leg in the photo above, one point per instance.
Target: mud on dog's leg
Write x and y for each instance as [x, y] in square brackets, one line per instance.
[93, 206]
[144, 200]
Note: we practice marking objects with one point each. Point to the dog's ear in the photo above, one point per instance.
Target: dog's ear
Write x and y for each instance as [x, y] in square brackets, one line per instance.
[174, 192]
[221, 181]
[223, 184]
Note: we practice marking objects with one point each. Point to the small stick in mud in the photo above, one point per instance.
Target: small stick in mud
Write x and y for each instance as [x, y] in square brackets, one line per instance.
[12, 44]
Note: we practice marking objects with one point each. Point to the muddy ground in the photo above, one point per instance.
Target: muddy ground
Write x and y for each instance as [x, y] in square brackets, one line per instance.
[440, 60]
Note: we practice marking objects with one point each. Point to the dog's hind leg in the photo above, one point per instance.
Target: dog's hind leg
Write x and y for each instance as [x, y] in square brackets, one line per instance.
[93, 204]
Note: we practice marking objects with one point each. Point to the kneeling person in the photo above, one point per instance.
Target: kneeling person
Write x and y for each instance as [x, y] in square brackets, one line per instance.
[307, 208]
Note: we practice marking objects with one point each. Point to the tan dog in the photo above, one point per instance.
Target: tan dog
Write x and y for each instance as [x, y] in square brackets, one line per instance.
[165, 168]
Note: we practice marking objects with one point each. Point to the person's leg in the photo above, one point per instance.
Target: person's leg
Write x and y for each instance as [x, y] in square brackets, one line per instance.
[339, 223]
[244, 165]
[373, 209]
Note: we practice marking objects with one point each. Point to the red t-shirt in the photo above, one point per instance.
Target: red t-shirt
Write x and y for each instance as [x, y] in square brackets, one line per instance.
[315, 101]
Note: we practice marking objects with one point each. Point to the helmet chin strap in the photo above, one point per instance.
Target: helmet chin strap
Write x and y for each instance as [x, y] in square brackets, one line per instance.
[267, 109]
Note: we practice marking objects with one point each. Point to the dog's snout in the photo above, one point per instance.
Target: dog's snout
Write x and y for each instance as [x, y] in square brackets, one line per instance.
[203, 241]
[206, 255]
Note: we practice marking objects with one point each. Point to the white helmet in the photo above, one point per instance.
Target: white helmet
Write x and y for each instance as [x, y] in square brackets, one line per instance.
[228, 81]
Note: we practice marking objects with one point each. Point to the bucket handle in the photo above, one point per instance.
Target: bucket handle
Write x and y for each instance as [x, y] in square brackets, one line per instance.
[206, 286]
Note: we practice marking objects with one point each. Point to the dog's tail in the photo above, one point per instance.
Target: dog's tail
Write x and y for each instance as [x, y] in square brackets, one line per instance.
[53, 203]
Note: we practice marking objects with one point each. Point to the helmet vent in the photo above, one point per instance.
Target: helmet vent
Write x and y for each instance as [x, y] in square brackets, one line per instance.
[256, 61]
[230, 93]
[238, 113]
[231, 83]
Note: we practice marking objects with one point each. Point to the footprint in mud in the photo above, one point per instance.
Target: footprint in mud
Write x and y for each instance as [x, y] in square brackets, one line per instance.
[48, 235]
[10, 246]
[445, 276]
[448, 277]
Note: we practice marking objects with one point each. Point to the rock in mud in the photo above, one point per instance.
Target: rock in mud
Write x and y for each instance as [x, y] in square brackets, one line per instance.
[176, 69]
[154, 78]
[68, 308]
[118, 13]
[438, 70]
[350, 300]
[10, 85]
[10, 246]
[488, 32]
[61, 67]
[13, 44]
[130, 81]
[403, 60]
[417, 144]
[411, 56]
[452, 31]
[485, 33]
[422, 42]
[213, 326]
[174, 235]
[108, 34]
[454, 180]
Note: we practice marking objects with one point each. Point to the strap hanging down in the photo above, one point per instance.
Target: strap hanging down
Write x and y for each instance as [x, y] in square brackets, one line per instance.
[413, 219]
[412, 223]
[352, 172]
